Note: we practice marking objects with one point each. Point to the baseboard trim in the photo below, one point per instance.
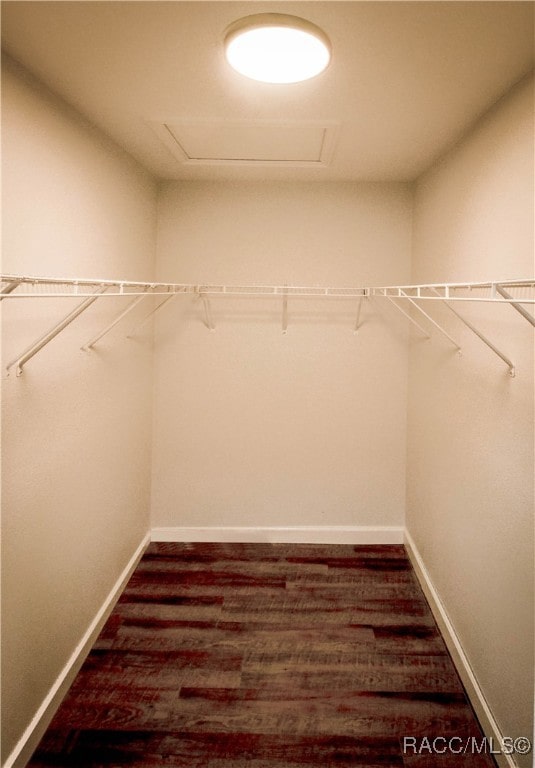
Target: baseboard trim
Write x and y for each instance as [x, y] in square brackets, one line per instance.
[486, 719]
[298, 534]
[338, 534]
[37, 727]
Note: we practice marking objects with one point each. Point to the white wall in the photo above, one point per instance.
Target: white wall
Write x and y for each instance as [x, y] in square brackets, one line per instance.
[470, 449]
[76, 426]
[252, 427]
[256, 428]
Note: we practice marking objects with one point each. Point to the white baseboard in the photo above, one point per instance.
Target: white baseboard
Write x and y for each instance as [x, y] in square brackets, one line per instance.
[298, 534]
[337, 534]
[486, 719]
[36, 729]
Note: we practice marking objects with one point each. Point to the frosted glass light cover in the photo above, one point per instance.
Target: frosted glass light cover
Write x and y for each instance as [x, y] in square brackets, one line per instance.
[277, 48]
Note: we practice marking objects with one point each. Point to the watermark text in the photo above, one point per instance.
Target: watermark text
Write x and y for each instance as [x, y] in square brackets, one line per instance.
[466, 745]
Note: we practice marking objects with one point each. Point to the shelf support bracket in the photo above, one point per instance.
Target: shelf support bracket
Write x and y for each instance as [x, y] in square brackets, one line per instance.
[431, 320]
[519, 308]
[21, 360]
[357, 322]
[208, 319]
[411, 319]
[151, 313]
[9, 288]
[483, 338]
[90, 344]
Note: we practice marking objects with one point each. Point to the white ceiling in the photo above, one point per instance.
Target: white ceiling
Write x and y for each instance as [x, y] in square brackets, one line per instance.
[406, 80]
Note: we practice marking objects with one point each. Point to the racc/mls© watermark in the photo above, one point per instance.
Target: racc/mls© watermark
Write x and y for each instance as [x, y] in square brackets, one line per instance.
[466, 745]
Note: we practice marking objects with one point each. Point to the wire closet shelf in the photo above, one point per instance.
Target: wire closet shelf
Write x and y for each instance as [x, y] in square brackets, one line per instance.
[23, 286]
[516, 293]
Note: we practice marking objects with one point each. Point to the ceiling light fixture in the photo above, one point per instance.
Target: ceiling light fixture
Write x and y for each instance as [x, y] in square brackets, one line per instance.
[277, 48]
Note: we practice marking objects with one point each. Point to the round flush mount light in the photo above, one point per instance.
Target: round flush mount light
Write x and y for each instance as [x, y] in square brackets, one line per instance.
[277, 48]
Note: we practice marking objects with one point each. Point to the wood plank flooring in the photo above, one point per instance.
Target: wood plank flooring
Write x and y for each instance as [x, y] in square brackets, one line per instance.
[266, 656]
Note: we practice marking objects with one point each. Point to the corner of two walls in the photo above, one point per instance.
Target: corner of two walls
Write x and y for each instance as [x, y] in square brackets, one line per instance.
[470, 458]
[76, 426]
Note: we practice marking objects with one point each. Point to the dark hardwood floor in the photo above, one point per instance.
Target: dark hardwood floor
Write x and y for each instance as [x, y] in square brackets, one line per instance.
[267, 656]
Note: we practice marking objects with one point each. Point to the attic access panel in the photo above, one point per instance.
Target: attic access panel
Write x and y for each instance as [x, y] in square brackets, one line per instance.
[256, 143]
